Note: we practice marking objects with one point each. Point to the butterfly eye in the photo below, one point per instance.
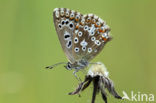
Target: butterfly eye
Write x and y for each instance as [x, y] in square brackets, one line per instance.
[76, 49]
[80, 34]
[76, 40]
[93, 38]
[68, 66]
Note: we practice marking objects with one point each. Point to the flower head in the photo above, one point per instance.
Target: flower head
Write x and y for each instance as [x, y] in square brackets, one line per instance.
[97, 74]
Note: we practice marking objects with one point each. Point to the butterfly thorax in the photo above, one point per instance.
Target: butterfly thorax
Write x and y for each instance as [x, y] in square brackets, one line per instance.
[77, 65]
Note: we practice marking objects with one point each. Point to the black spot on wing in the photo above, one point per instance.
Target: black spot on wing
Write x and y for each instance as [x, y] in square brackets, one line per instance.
[66, 36]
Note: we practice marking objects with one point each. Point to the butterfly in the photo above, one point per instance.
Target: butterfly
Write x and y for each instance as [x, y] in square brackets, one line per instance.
[82, 37]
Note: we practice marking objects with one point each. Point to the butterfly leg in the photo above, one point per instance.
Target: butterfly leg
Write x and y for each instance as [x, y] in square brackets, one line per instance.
[79, 79]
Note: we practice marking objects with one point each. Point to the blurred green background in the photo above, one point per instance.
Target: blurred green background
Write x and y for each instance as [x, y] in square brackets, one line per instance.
[28, 43]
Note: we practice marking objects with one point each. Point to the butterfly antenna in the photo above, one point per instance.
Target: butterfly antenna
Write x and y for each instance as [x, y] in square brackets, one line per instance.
[54, 65]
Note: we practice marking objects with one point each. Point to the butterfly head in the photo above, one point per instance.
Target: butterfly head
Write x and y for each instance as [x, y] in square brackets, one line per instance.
[68, 66]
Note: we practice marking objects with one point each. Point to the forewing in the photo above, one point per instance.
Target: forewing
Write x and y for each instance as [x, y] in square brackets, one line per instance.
[65, 25]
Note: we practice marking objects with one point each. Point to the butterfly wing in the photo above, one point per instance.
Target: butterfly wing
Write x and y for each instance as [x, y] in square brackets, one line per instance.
[64, 21]
[81, 37]
[92, 34]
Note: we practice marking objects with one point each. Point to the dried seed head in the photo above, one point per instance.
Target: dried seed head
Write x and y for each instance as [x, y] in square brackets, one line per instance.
[98, 69]
[98, 75]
